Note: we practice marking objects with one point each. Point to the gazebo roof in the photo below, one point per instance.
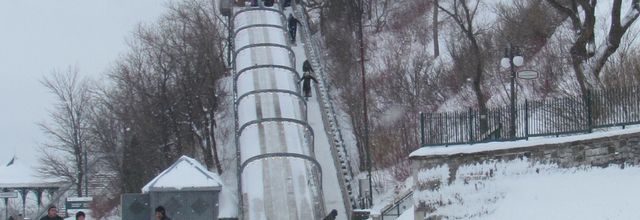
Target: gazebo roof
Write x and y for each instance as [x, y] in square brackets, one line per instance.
[17, 175]
[185, 174]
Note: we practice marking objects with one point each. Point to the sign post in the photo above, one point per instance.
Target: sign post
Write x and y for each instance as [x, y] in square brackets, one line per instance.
[6, 208]
[74, 204]
[6, 196]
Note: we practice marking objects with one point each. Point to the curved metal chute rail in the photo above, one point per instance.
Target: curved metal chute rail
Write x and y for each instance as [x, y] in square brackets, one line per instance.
[256, 92]
[290, 120]
[284, 154]
[257, 25]
[296, 76]
[284, 17]
[292, 70]
[293, 59]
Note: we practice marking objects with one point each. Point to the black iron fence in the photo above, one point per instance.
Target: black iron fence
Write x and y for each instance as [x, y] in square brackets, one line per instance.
[579, 114]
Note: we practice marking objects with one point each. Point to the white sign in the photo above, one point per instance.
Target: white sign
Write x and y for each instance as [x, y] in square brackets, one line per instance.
[527, 74]
[8, 194]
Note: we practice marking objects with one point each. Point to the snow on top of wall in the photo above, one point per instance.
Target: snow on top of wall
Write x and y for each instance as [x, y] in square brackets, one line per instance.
[474, 148]
[186, 172]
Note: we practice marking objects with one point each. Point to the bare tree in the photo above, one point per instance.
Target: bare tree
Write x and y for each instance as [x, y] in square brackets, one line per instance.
[200, 64]
[163, 98]
[463, 13]
[436, 45]
[63, 155]
[587, 58]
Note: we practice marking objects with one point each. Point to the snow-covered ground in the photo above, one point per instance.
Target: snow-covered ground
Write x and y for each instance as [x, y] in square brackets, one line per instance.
[526, 190]
[610, 193]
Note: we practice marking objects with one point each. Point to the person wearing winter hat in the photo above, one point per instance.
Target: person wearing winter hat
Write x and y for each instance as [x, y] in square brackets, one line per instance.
[80, 215]
[332, 215]
[161, 214]
[52, 214]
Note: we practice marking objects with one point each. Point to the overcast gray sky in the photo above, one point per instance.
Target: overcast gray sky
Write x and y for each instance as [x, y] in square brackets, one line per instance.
[40, 36]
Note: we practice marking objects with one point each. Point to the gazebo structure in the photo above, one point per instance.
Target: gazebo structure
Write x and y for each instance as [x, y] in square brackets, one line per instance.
[17, 177]
[186, 189]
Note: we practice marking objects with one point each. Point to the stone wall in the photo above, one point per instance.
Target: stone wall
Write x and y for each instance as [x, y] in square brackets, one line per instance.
[623, 149]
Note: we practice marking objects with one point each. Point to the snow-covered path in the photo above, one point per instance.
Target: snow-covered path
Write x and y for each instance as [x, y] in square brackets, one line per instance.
[332, 195]
[331, 189]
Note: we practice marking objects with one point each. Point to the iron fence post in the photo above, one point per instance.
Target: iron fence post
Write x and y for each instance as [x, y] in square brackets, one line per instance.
[6, 207]
[589, 111]
[526, 119]
[422, 140]
[470, 125]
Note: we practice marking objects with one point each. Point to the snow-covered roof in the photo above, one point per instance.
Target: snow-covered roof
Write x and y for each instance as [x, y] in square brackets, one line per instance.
[185, 174]
[491, 146]
[16, 174]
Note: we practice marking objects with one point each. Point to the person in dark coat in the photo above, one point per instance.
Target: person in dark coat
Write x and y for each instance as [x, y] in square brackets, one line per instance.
[80, 215]
[306, 83]
[286, 3]
[52, 214]
[161, 214]
[306, 67]
[332, 215]
[293, 27]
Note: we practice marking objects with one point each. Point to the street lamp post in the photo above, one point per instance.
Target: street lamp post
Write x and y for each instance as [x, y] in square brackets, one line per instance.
[86, 172]
[364, 97]
[512, 59]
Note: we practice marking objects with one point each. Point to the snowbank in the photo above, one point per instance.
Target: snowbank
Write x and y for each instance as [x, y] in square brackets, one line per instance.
[524, 190]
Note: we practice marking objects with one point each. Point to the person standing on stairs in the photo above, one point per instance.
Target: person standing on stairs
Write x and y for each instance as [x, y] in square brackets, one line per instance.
[293, 27]
[306, 79]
